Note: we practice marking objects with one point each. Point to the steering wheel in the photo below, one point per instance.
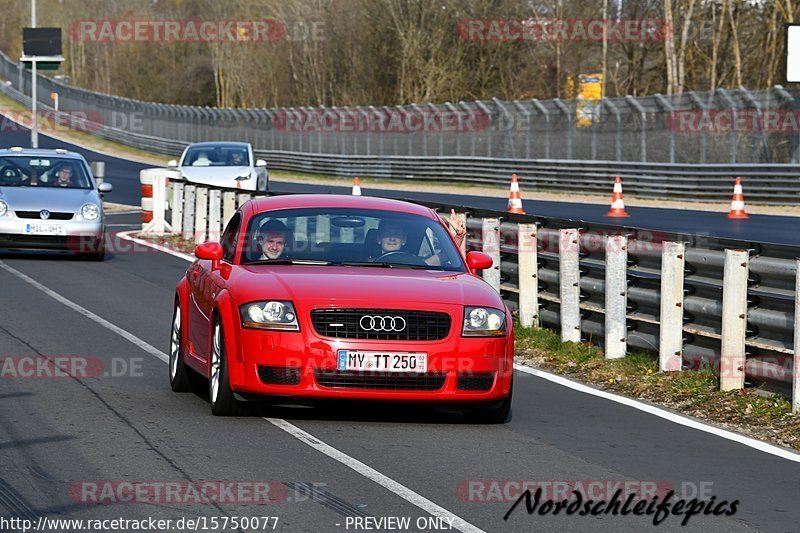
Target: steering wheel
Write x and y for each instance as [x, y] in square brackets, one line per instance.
[415, 259]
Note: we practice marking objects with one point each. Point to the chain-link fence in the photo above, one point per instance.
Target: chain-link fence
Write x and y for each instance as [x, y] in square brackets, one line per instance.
[726, 126]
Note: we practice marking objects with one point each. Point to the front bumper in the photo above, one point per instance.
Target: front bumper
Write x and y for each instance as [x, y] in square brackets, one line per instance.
[75, 235]
[303, 364]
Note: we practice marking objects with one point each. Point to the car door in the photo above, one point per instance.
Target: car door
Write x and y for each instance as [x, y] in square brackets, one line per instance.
[206, 285]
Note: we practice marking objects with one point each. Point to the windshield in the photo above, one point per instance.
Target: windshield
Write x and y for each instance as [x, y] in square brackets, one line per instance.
[351, 237]
[217, 155]
[44, 171]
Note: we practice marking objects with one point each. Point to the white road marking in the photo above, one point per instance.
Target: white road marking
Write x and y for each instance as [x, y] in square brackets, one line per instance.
[630, 402]
[127, 235]
[370, 473]
[149, 348]
[663, 413]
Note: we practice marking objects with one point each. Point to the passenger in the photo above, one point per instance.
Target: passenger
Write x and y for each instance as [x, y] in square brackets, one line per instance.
[457, 227]
[272, 239]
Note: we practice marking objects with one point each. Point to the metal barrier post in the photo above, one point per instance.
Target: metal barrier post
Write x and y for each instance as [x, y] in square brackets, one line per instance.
[796, 357]
[569, 281]
[734, 320]
[490, 237]
[670, 345]
[228, 207]
[543, 110]
[528, 275]
[663, 102]
[616, 297]
[564, 109]
[177, 206]
[188, 211]
[643, 135]
[699, 103]
[214, 215]
[201, 215]
[730, 103]
[242, 198]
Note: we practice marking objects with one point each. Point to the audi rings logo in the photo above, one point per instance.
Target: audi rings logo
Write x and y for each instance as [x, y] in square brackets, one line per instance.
[382, 323]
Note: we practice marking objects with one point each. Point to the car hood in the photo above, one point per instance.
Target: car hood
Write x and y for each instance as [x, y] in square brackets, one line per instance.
[314, 286]
[222, 176]
[51, 198]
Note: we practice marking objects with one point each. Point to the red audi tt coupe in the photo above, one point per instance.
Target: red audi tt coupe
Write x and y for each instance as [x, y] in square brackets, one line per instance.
[327, 296]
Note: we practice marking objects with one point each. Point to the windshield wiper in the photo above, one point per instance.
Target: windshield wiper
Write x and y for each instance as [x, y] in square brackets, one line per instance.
[287, 261]
[379, 264]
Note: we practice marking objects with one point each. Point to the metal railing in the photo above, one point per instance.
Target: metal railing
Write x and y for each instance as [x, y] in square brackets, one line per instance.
[682, 293]
[724, 126]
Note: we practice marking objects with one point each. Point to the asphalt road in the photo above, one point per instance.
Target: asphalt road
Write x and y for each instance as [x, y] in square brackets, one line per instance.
[124, 175]
[62, 436]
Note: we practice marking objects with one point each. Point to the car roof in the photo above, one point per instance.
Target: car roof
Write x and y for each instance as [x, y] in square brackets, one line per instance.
[26, 152]
[220, 143]
[294, 201]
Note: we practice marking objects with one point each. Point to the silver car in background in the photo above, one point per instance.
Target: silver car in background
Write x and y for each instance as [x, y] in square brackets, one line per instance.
[50, 200]
[223, 164]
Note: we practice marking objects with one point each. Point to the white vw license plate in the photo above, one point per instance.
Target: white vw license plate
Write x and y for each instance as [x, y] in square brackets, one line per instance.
[44, 229]
[383, 361]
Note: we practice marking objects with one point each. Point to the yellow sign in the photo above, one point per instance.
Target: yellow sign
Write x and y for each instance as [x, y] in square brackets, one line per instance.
[590, 88]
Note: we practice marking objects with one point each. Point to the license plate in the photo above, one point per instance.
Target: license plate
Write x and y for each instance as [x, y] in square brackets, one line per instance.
[44, 229]
[383, 361]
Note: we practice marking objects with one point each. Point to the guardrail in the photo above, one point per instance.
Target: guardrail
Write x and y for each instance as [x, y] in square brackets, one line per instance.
[692, 299]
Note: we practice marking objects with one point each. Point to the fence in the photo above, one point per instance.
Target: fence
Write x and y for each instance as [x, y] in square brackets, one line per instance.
[688, 298]
[725, 126]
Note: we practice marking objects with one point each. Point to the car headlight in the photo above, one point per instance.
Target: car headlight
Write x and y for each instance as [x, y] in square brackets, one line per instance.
[272, 314]
[483, 322]
[90, 211]
[3, 208]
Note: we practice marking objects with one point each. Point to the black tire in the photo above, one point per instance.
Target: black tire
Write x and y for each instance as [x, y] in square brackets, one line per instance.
[179, 376]
[223, 402]
[492, 415]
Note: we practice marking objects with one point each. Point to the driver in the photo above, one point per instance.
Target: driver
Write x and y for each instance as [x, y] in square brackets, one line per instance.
[272, 239]
[391, 236]
[64, 177]
[235, 159]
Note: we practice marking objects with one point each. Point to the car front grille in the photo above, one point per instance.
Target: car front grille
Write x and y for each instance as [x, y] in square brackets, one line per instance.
[53, 215]
[279, 375]
[348, 324]
[429, 381]
[476, 382]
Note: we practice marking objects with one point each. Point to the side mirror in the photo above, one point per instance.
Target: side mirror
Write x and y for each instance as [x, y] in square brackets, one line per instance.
[172, 163]
[261, 163]
[209, 250]
[479, 261]
[105, 187]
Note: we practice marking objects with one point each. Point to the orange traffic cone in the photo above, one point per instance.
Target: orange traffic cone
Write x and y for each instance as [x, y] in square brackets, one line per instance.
[514, 199]
[737, 202]
[617, 203]
[356, 187]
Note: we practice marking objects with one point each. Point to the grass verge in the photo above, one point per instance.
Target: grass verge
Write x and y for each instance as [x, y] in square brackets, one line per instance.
[694, 393]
